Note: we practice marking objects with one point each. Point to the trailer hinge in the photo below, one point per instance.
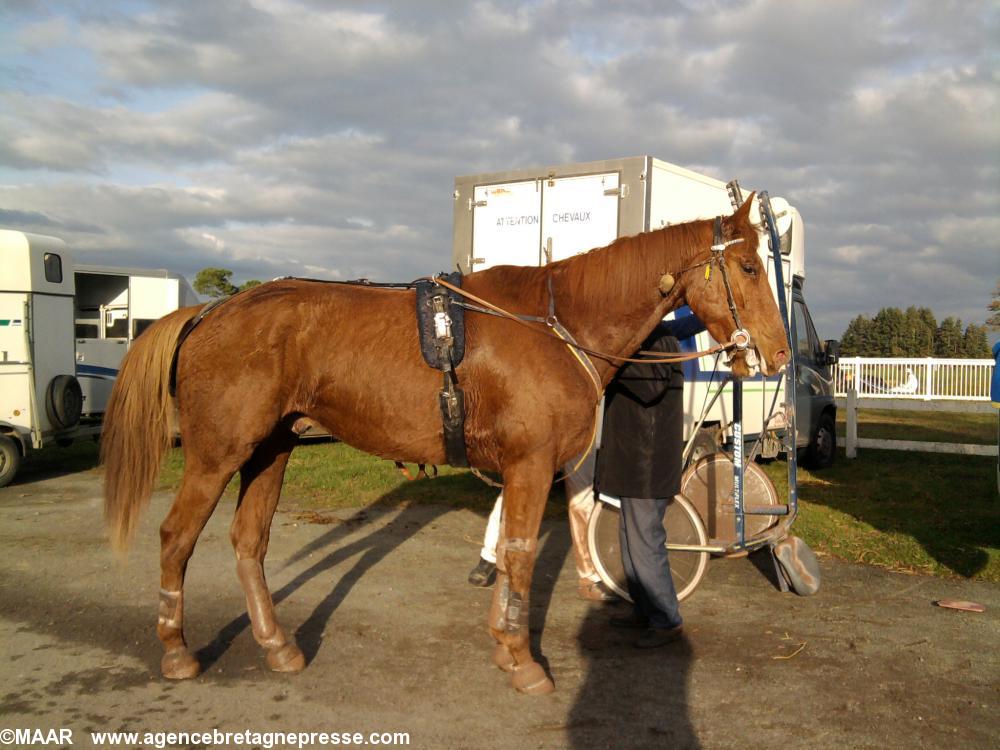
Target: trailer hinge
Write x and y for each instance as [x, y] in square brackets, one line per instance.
[476, 204]
[621, 192]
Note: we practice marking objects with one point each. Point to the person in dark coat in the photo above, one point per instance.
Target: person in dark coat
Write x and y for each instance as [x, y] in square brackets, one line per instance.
[640, 463]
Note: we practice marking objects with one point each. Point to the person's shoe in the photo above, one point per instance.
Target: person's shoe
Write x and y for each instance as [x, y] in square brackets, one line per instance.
[656, 637]
[631, 621]
[594, 591]
[484, 574]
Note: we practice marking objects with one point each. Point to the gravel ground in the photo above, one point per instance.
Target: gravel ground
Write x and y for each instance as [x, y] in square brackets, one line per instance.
[396, 642]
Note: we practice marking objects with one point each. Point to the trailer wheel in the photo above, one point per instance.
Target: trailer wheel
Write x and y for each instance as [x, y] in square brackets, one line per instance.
[10, 460]
[64, 402]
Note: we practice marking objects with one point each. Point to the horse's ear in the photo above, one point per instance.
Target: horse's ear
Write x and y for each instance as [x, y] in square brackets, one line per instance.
[742, 215]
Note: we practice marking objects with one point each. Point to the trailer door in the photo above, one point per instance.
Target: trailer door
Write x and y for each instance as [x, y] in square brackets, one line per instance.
[579, 213]
[505, 224]
[150, 298]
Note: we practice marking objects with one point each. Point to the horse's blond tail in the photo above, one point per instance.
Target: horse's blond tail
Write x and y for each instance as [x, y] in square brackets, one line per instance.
[139, 425]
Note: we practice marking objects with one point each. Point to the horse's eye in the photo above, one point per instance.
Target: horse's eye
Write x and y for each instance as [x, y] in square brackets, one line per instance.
[749, 269]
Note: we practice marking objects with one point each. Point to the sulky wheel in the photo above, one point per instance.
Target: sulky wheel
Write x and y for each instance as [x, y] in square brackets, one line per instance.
[708, 484]
[683, 526]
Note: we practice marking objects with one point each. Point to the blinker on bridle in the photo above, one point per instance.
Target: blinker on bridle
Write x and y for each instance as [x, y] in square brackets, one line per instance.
[741, 336]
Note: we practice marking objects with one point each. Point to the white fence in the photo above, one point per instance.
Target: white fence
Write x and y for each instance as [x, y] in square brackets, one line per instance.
[851, 442]
[928, 379]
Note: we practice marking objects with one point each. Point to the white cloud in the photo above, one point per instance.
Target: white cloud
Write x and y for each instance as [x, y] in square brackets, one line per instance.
[41, 36]
[315, 138]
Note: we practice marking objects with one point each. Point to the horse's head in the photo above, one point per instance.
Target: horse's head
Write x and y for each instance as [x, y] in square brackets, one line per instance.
[749, 292]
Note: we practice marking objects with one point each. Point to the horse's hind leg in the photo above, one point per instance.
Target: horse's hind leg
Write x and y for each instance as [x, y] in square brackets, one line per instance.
[260, 487]
[525, 492]
[199, 493]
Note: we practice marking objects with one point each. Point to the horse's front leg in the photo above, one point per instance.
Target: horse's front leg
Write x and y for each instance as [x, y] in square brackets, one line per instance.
[526, 487]
[260, 488]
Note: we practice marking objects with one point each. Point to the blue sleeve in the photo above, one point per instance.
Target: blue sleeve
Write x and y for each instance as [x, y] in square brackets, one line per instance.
[684, 328]
[995, 381]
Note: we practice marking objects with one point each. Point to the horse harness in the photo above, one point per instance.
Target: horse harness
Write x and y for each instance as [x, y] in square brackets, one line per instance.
[441, 330]
[440, 312]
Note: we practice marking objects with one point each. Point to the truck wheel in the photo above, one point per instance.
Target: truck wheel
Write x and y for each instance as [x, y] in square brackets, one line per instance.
[64, 401]
[823, 448]
[10, 460]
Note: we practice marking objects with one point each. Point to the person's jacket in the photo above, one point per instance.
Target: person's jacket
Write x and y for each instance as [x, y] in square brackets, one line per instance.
[642, 438]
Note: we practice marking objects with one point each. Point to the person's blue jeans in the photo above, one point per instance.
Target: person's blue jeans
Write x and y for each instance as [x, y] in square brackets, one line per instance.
[644, 554]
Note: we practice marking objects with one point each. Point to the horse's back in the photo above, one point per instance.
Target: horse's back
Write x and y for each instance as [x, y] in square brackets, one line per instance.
[345, 355]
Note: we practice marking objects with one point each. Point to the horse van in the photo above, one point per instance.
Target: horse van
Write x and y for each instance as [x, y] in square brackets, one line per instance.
[537, 216]
[64, 329]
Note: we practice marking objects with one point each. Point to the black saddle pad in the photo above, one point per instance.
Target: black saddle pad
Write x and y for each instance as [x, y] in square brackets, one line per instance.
[426, 290]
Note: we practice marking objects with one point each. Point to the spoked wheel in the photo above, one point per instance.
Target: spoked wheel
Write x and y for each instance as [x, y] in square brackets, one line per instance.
[708, 484]
[683, 526]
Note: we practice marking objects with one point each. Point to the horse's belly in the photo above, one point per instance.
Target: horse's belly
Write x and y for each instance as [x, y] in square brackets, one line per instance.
[386, 409]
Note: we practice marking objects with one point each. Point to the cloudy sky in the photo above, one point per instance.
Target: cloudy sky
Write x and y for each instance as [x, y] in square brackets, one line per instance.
[322, 139]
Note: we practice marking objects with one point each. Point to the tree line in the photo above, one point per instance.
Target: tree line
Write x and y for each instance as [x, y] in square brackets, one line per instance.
[215, 282]
[914, 332]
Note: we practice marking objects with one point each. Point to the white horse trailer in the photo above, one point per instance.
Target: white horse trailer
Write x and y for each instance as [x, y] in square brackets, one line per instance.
[536, 216]
[112, 307]
[64, 329]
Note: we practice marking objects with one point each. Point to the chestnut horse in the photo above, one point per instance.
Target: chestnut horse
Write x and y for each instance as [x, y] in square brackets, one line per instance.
[347, 357]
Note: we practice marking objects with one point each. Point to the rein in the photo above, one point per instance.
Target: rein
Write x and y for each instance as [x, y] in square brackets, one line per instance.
[740, 338]
[528, 321]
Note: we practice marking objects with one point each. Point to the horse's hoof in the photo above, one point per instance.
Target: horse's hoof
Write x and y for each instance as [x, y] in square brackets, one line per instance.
[179, 664]
[503, 658]
[531, 679]
[287, 658]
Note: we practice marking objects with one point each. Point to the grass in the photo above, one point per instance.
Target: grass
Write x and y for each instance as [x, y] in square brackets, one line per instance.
[927, 426]
[923, 513]
[930, 513]
[333, 476]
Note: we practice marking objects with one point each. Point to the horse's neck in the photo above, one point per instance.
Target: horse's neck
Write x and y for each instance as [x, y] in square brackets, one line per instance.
[610, 299]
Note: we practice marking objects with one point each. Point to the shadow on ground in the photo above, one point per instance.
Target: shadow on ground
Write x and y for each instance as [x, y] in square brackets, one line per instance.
[53, 461]
[370, 549]
[947, 504]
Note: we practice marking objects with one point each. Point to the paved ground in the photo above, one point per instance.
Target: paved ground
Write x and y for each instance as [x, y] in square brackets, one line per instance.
[396, 643]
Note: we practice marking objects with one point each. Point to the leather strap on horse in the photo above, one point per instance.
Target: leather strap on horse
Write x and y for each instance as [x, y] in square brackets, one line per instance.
[529, 322]
[739, 340]
[185, 332]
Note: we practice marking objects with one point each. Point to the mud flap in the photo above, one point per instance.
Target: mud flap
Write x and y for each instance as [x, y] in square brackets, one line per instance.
[798, 564]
